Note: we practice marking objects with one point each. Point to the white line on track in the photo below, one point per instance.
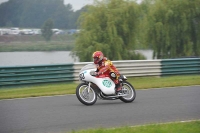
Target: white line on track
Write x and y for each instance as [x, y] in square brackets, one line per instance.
[36, 97]
[74, 94]
[170, 87]
[185, 121]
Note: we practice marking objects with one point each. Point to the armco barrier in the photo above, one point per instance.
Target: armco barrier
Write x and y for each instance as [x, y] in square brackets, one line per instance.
[70, 72]
[130, 68]
[136, 68]
[180, 66]
[35, 74]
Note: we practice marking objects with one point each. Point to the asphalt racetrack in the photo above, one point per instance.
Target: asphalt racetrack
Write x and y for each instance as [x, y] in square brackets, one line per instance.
[65, 113]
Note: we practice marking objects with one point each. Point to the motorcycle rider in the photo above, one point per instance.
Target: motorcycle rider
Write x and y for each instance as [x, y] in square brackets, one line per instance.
[105, 66]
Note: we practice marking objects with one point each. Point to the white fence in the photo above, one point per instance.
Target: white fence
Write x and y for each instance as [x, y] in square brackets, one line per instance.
[130, 68]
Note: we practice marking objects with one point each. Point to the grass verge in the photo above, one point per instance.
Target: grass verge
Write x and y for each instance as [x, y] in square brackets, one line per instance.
[37, 46]
[177, 127]
[36, 43]
[69, 88]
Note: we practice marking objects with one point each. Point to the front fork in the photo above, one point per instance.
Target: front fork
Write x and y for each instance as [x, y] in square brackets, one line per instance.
[88, 89]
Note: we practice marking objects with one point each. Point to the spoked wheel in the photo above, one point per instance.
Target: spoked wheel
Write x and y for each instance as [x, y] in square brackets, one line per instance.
[129, 91]
[85, 94]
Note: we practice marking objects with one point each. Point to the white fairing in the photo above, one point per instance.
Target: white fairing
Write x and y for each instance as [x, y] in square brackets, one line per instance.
[106, 85]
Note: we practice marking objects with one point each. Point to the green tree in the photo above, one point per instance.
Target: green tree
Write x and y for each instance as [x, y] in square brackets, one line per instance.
[10, 12]
[47, 30]
[33, 13]
[143, 25]
[109, 26]
[174, 28]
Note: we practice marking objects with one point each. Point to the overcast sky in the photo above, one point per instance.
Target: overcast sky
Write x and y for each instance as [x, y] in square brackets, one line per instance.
[77, 4]
[3, 1]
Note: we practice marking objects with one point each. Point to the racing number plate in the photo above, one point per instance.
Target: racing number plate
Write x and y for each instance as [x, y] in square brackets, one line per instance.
[81, 76]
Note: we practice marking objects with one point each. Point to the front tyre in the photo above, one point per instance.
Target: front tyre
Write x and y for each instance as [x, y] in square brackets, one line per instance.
[85, 94]
[129, 91]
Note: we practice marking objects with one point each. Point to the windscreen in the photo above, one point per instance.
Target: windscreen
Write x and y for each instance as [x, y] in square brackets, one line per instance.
[89, 66]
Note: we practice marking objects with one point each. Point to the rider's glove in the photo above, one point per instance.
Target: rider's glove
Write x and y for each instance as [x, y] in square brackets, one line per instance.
[97, 74]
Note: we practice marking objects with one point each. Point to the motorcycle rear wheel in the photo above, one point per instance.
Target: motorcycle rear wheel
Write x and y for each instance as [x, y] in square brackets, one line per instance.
[84, 96]
[128, 89]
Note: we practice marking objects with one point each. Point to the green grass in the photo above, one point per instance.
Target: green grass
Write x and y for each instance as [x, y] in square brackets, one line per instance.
[37, 46]
[35, 91]
[35, 38]
[177, 127]
[69, 88]
[167, 81]
[37, 43]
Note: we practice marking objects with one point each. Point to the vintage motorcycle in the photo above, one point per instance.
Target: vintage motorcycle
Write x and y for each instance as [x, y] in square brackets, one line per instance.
[102, 86]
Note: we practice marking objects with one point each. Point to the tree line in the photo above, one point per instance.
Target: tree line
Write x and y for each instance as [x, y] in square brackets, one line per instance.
[117, 27]
[33, 14]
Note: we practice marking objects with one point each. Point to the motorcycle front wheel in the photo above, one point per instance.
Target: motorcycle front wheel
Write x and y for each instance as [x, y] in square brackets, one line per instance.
[85, 94]
[129, 90]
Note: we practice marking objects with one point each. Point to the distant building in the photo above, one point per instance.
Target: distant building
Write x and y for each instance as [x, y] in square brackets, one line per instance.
[73, 31]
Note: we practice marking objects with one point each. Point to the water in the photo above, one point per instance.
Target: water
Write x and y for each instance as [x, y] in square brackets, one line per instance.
[45, 58]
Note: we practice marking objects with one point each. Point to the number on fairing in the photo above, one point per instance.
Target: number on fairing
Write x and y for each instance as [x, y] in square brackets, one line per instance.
[81, 76]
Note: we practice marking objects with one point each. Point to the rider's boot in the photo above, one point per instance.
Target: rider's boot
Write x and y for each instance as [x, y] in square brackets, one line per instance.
[118, 88]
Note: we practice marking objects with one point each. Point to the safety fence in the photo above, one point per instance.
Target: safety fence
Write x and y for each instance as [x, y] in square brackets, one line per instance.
[130, 68]
[20, 75]
[36, 74]
[180, 66]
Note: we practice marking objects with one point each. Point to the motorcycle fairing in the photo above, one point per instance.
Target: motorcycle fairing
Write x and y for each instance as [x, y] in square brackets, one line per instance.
[106, 85]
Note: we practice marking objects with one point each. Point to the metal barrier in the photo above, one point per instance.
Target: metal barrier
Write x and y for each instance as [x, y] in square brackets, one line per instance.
[35, 74]
[130, 68]
[70, 72]
[180, 66]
